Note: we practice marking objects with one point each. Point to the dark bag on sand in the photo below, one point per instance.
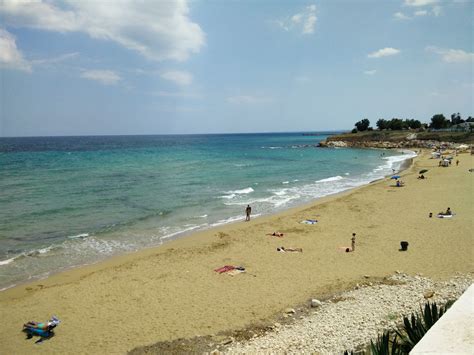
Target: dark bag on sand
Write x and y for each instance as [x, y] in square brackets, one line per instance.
[404, 246]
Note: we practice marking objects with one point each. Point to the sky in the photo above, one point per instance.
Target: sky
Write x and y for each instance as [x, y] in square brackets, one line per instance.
[178, 67]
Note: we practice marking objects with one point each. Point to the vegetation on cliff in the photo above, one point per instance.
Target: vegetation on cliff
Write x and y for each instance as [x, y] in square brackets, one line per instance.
[438, 121]
[398, 136]
[400, 133]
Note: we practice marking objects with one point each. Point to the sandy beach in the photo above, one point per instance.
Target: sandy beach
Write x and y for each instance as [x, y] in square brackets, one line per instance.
[172, 292]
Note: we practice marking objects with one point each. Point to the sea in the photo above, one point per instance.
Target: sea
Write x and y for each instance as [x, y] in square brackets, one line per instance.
[71, 201]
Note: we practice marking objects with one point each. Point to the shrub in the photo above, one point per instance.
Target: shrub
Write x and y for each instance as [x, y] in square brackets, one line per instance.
[416, 326]
[384, 345]
[409, 334]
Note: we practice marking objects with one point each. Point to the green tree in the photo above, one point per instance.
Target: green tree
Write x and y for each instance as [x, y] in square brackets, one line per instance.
[413, 124]
[362, 125]
[395, 124]
[456, 119]
[382, 124]
[439, 121]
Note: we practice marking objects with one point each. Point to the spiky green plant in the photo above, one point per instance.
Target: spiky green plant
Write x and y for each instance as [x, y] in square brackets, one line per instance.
[416, 326]
[384, 345]
[409, 334]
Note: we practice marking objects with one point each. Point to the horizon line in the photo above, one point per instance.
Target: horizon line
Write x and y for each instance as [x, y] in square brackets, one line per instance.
[175, 134]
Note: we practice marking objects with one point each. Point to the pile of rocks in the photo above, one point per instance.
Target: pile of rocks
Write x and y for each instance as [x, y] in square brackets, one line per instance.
[409, 143]
[352, 319]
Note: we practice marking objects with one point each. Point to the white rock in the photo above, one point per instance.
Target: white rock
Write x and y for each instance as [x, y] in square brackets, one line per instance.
[316, 303]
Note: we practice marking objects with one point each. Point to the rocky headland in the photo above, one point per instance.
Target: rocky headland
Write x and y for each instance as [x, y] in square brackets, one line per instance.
[400, 139]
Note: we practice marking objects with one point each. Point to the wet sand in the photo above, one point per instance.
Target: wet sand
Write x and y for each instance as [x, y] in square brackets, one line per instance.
[172, 292]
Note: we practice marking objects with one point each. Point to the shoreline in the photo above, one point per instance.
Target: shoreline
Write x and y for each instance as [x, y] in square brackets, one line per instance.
[135, 289]
[404, 165]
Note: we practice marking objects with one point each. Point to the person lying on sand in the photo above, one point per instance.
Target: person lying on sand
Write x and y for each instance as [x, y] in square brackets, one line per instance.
[283, 249]
[276, 234]
[447, 213]
[43, 330]
[37, 325]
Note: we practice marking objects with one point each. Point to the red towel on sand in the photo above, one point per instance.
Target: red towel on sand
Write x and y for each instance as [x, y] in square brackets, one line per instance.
[224, 269]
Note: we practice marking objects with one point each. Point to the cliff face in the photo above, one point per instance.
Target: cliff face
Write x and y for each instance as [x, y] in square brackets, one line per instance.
[398, 139]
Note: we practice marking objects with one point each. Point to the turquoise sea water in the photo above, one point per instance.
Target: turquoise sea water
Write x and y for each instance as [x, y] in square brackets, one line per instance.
[68, 201]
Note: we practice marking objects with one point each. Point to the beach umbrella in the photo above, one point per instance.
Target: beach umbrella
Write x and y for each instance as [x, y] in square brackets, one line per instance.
[395, 177]
[423, 171]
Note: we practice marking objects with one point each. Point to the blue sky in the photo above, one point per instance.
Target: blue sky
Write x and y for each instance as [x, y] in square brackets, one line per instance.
[165, 67]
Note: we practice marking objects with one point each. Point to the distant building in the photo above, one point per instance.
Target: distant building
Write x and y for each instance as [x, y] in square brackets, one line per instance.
[462, 127]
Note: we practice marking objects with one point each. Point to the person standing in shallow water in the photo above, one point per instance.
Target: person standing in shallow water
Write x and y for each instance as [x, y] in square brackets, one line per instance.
[353, 241]
[248, 211]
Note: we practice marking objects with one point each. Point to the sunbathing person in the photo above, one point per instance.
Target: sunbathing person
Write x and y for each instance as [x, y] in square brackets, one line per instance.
[37, 325]
[283, 249]
[276, 234]
[447, 213]
[43, 326]
[43, 330]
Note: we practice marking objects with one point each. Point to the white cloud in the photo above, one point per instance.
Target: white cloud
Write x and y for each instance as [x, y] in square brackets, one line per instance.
[420, 2]
[370, 72]
[304, 21]
[384, 52]
[178, 77]
[437, 10]
[421, 13]
[10, 55]
[401, 16]
[452, 55]
[175, 94]
[106, 77]
[158, 30]
[55, 60]
[248, 99]
[296, 18]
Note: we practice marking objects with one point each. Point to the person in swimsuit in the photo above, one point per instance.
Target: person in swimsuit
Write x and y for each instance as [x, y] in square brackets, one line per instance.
[248, 211]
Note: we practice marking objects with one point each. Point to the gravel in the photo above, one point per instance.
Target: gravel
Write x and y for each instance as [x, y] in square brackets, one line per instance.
[352, 319]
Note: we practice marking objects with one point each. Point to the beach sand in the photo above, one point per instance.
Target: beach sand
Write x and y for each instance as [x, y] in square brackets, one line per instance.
[172, 292]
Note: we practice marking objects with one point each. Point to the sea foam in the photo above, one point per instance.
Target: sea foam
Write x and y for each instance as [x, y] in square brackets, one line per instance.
[332, 178]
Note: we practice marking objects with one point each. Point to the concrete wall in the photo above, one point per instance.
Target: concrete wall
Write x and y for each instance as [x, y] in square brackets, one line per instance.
[453, 333]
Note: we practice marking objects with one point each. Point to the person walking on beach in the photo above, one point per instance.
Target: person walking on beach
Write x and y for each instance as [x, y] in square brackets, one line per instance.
[248, 211]
[353, 241]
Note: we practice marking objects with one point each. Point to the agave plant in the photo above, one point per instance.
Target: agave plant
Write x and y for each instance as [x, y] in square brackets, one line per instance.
[416, 326]
[409, 334]
[384, 345]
